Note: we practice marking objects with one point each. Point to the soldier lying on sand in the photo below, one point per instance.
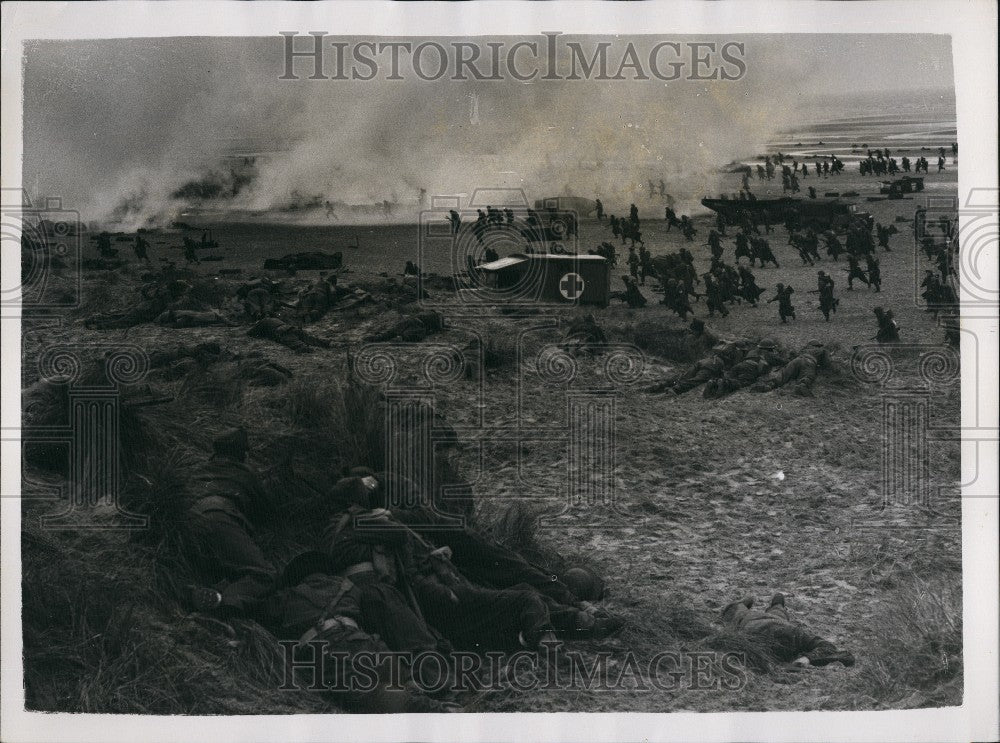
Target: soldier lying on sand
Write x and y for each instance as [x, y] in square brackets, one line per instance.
[470, 615]
[228, 496]
[336, 617]
[278, 330]
[801, 370]
[411, 329]
[789, 642]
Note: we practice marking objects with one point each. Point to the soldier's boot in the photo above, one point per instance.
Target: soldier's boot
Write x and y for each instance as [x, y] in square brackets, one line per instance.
[825, 653]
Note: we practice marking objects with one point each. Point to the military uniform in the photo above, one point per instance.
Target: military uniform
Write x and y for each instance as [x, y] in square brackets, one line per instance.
[755, 364]
[874, 273]
[280, 331]
[786, 640]
[471, 617]
[888, 328]
[226, 494]
[802, 370]
[349, 616]
[783, 297]
[411, 330]
[702, 371]
[827, 302]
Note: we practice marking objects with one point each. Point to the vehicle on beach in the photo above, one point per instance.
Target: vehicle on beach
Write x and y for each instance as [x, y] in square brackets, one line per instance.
[906, 184]
[816, 214]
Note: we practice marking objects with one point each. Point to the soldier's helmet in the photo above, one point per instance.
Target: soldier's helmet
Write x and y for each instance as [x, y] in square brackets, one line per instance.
[814, 343]
[780, 286]
[355, 489]
[585, 585]
[232, 443]
[821, 273]
[767, 344]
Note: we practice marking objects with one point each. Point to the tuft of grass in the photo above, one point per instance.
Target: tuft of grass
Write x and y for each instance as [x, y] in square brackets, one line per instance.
[673, 343]
[499, 347]
[918, 645]
[213, 385]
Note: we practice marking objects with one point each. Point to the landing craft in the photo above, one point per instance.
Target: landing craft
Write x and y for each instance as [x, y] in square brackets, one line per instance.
[815, 214]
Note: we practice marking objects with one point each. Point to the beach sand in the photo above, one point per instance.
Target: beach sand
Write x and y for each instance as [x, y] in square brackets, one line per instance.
[702, 515]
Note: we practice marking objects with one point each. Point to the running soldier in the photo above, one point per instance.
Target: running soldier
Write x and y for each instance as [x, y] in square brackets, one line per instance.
[888, 328]
[714, 296]
[783, 297]
[633, 263]
[834, 249]
[748, 286]
[762, 249]
[874, 272]
[715, 243]
[854, 272]
[827, 302]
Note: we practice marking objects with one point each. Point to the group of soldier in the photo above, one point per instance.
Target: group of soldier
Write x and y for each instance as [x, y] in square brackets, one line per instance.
[140, 247]
[939, 242]
[766, 171]
[403, 580]
[627, 229]
[392, 577]
[726, 284]
[762, 366]
[878, 164]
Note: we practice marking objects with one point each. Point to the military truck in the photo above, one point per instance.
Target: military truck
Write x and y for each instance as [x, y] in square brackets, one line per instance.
[816, 214]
